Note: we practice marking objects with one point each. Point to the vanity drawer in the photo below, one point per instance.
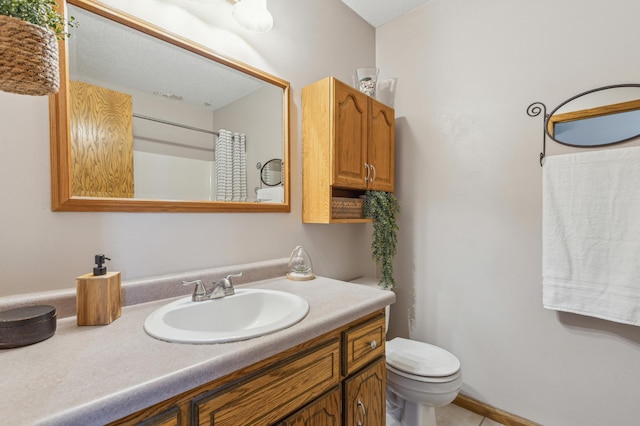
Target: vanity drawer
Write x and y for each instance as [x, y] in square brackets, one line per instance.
[362, 344]
[170, 417]
[274, 393]
[324, 411]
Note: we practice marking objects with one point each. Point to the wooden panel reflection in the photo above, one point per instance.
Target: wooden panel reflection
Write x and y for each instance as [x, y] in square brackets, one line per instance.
[101, 142]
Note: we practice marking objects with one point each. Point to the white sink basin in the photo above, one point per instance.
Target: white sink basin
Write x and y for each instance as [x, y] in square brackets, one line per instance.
[246, 314]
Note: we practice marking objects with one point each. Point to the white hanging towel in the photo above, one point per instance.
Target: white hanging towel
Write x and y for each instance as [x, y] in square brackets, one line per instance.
[591, 234]
[239, 191]
[231, 166]
[223, 161]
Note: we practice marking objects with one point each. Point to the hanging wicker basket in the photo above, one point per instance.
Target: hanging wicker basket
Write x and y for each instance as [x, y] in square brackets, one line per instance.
[28, 58]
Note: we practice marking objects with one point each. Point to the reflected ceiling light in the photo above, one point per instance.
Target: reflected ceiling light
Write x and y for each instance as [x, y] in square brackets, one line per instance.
[253, 15]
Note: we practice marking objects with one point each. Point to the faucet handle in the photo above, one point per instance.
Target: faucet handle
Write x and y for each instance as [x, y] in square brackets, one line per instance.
[227, 285]
[239, 274]
[199, 291]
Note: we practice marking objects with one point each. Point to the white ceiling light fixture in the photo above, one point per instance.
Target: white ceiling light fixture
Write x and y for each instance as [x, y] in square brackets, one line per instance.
[253, 15]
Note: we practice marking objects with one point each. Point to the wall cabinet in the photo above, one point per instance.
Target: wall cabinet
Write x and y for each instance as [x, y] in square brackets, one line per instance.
[348, 147]
[333, 379]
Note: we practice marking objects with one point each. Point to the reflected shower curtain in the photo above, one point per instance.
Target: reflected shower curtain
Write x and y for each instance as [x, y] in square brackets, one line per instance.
[231, 166]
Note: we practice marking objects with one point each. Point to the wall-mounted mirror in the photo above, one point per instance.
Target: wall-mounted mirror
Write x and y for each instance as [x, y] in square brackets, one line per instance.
[148, 121]
[271, 172]
[602, 116]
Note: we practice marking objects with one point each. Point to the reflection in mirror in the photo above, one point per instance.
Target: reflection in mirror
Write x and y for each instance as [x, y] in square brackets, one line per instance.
[146, 121]
[602, 116]
[271, 172]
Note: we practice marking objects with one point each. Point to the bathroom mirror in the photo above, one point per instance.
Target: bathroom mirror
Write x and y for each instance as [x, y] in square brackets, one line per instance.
[271, 172]
[148, 121]
[602, 116]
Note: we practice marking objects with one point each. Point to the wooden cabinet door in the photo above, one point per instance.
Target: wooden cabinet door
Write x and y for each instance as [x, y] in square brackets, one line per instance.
[364, 396]
[381, 147]
[101, 122]
[350, 127]
[325, 411]
[273, 393]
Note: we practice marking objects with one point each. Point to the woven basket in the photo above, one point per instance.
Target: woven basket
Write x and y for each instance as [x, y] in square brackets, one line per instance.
[28, 58]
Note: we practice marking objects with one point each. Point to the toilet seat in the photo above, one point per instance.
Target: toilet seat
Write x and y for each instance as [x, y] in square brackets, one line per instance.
[424, 379]
[421, 361]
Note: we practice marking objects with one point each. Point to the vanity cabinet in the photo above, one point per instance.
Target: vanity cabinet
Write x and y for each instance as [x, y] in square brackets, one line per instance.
[315, 383]
[326, 411]
[363, 343]
[363, 365]
[170, 417]
[365, 396]
[272, 393]
[348, 147]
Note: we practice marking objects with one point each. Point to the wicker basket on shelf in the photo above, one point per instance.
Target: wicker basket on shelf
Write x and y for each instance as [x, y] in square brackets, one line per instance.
[28, 58]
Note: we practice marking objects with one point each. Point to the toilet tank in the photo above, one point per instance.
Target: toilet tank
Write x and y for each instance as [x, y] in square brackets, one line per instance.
[373, 282]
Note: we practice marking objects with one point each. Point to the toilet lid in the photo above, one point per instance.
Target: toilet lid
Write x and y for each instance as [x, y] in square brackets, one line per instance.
[420, 359]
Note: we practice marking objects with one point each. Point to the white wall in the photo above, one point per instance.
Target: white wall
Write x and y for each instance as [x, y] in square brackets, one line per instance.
[153, 137]
[173, 163]
[169, 177]
[469, 183]
[170, 162]
[263, 129]
[42, 250]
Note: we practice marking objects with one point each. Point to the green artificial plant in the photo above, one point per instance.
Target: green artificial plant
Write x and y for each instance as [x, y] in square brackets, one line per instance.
[43, 13]
[383, 208]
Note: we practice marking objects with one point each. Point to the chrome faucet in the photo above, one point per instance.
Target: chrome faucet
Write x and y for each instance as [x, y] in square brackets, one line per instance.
[221, 288]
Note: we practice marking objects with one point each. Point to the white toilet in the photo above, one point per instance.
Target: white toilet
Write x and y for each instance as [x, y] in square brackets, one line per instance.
[420, 377]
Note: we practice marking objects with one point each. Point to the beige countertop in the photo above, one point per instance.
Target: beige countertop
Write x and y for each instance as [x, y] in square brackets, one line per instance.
[94, 375]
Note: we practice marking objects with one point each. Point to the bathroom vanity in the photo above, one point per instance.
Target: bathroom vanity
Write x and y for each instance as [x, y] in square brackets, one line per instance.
[328, 368]
[311, 381]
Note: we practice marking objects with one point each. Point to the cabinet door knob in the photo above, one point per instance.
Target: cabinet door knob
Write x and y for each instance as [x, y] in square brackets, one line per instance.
[362, 415]
[368, 169]
[374, 173]
[374, 344]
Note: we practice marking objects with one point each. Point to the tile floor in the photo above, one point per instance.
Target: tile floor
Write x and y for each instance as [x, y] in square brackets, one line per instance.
[452, 415]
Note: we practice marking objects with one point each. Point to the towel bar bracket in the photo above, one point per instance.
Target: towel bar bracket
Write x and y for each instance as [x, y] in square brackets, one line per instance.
[534, 110]
[604, 116]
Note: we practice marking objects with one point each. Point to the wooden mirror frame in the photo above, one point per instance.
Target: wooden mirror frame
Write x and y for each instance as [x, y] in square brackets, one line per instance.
[59, 113]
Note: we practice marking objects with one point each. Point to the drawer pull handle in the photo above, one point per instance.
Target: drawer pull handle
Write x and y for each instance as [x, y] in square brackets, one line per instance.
[362, 415]
[368, 169]
[374, 344]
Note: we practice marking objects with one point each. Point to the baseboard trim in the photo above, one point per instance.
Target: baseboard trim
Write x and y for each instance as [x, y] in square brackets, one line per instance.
[491, 412]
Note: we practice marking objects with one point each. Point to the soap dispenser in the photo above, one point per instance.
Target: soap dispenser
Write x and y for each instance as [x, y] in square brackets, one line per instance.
[98, 295]
[300, 268]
